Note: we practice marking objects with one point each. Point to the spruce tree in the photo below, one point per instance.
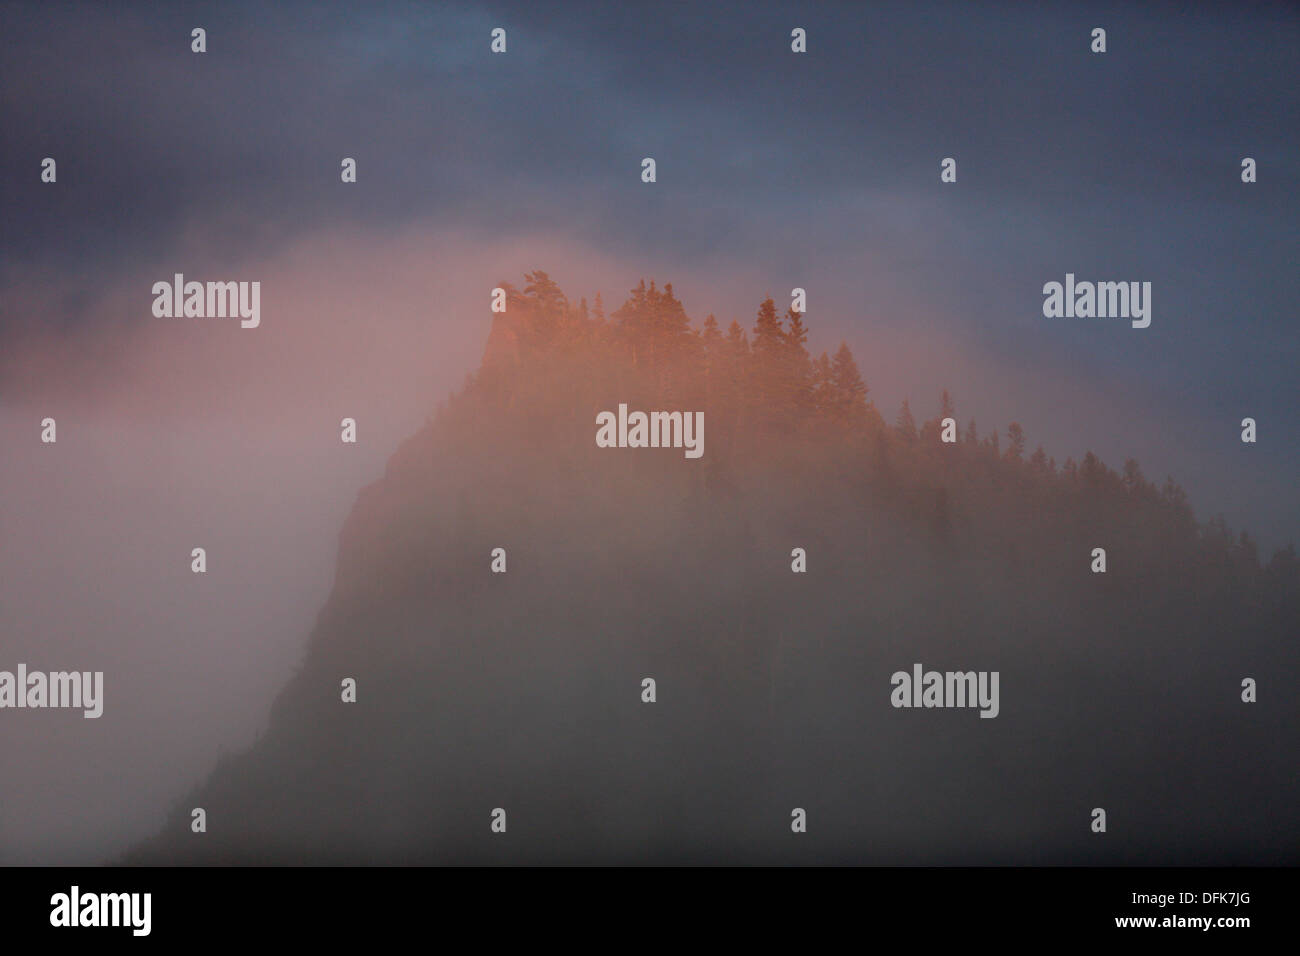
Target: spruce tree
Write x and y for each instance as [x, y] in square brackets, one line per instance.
[768, 396]
[823, 386]
[849, 390]
[1015, 441]
[798, 372]
[947, 407]
[906, 424]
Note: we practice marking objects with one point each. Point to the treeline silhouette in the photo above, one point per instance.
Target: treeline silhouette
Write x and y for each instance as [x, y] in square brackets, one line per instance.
[523, 690]
[765, 395]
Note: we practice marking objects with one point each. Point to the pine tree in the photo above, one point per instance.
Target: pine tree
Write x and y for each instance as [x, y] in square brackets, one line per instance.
[768, 337]
[906, 424]
[1247, 552]
[736, 352]
[1175, 499]
[768, 393]
[947, 408]
[546, 303]
[1091, 470]
[711, 345]
[798, 370]
[767, 343]
[671, 326]
[710, 336]
[657, 330]
[677, 356]
[797, 334]
[1134, 482]
[1015, 441]
[850, 392]
[823, 386]
[1039, 460]
[1284, 566]
[737, 341]
[631, 318]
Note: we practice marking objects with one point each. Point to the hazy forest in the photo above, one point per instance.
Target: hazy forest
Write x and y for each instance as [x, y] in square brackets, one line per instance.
[522, 690]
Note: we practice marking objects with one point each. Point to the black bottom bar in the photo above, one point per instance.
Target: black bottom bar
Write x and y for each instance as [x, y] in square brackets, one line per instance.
[651, 906]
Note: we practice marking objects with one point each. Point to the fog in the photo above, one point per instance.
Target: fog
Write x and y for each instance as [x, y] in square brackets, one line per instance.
[183, 433]
[524, 690]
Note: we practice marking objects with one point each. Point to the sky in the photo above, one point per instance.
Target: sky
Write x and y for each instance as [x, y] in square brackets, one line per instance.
[774, 170]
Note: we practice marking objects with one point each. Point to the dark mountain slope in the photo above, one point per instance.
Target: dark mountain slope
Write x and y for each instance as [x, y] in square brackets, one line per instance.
[522, 690]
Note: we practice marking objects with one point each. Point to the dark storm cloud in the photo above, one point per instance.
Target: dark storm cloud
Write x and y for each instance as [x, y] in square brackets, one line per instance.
[152, 133]
[774, 171]
[820, 170]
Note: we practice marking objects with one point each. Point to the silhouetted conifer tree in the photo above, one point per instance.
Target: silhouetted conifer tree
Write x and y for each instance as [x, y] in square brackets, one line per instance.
[1015, 442]
[850, 392]
[906, 424]
[947, 407]
[798, 383]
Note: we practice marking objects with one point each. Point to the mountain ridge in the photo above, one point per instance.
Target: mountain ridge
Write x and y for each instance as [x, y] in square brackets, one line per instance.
[521, 690]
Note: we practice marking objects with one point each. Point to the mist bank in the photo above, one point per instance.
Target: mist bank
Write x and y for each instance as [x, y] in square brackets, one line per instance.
[506, 590]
